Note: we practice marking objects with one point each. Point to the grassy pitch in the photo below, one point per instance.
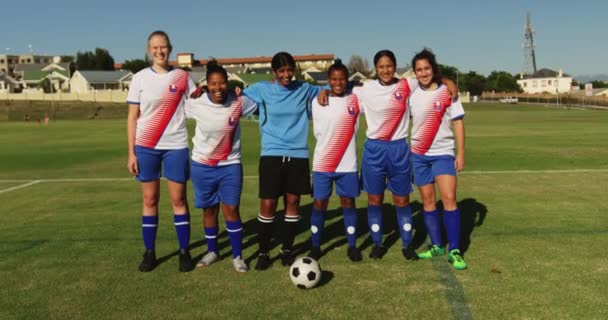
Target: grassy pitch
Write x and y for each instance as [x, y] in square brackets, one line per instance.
[535, 231]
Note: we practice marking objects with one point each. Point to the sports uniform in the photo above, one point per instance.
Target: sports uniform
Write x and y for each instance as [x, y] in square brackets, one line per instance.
[432, 156]
[161, 142]
[386, 155]
[283, 166]
[335, 160]
[217, 173]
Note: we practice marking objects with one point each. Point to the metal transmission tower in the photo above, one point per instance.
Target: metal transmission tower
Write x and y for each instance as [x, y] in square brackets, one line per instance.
[529, 66]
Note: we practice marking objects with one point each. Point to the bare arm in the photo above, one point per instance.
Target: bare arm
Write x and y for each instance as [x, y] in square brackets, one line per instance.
[131, 128]
[452, 88]
[459, 137]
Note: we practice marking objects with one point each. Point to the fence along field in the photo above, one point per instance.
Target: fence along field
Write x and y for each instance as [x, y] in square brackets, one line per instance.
[534, 225]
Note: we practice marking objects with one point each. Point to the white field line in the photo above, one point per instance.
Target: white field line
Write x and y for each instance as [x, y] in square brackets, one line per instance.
[20, 186]
[31, 181]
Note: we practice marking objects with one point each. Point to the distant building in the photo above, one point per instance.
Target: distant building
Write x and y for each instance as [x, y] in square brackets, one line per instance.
[84, 81]
[8, 62]
[545, 81]
[7, 83]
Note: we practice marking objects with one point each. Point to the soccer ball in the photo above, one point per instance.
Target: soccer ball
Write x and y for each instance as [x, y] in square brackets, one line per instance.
[305, 273]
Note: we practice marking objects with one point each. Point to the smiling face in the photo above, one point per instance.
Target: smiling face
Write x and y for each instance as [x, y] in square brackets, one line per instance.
[284, 74]
[217, 85]
[159, 50]
[337, 81]
[385, 69]
[424, 73]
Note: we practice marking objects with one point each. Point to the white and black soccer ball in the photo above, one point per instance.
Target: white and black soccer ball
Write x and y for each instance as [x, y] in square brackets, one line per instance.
[305, 273]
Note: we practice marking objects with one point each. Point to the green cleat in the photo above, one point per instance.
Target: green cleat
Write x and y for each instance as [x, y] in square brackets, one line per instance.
[456, 260]
[434, 251]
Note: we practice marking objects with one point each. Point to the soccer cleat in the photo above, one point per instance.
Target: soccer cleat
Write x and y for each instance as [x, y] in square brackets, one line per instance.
[378, 251]
[434, 251]
[185, 261]
[315, 253]
[149, 262]
[354, 254]
[239, 264]
[208, 259]
[455, 258]
[409, 253]
[263, 262]
[286, 257]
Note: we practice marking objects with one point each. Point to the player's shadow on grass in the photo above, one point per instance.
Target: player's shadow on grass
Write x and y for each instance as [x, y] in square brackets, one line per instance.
[472, 215]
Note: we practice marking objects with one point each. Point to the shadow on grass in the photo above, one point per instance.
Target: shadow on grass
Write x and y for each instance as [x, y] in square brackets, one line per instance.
[472, 215]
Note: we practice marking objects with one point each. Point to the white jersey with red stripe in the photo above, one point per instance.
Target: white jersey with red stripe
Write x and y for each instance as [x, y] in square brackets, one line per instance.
[432, 113]
[385, 108]
[160, 96]
[335, 128]
[217, 137]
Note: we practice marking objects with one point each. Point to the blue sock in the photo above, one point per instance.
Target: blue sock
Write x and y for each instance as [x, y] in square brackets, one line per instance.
[235, 232]
[350, 225]
[182, 228]
[433, 226]
[317, 224]
[211, 238]
[404, 222]
[149, 225]
[451, 220]
[374, 221]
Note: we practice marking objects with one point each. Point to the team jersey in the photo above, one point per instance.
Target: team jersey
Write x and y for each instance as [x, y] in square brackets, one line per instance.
[335, 127]
[283, 116]
[217, 136]
[160, 96]
[385, 108]
[432, 112]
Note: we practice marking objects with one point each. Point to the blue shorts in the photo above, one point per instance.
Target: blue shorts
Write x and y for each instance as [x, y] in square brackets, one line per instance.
[175, 164]
[213, 185]
[347, 184]
[426, 168]
[386, 164]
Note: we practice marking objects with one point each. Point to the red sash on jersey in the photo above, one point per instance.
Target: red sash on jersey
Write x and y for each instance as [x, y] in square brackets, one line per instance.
[434, 113]
[396, 110]
[224, 146]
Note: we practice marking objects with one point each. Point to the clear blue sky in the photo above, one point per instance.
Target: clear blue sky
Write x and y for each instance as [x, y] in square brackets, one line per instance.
[471, 35]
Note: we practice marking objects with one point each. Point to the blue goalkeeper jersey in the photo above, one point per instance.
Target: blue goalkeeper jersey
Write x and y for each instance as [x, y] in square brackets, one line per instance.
[284, 116]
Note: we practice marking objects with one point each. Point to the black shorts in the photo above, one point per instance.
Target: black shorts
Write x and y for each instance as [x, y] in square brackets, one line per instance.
[281, 175]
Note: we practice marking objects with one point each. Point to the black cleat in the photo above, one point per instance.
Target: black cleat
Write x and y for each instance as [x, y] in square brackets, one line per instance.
[185, 261]
[378, 251]
[315, 253]
[263, 262]
[149, 262]
[286, 257]
[354, 254]
[409, 253]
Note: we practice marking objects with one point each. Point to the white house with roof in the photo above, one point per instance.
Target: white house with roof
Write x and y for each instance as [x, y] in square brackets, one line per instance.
[84, 81]
[545, 81]
[7, 83]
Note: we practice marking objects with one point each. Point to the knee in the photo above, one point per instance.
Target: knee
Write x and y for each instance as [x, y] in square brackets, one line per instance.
[150, 200]
[401, 201]
[347, 202]
[449, 202]
[179, 201]
[231, 213]
[374, 200]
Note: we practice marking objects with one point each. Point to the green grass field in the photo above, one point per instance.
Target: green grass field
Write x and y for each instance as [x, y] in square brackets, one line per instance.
[535, 232]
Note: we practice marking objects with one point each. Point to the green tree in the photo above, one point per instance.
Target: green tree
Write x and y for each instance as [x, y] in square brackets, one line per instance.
[599, 84]
[502, 81]
[135, 65]
[100, 60]
[473, 82]
[449, 72]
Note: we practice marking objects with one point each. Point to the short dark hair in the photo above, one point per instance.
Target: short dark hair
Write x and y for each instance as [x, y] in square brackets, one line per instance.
[428, 55]
[385, 53]
[282, 59]
[337, 66]
[214, 67]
